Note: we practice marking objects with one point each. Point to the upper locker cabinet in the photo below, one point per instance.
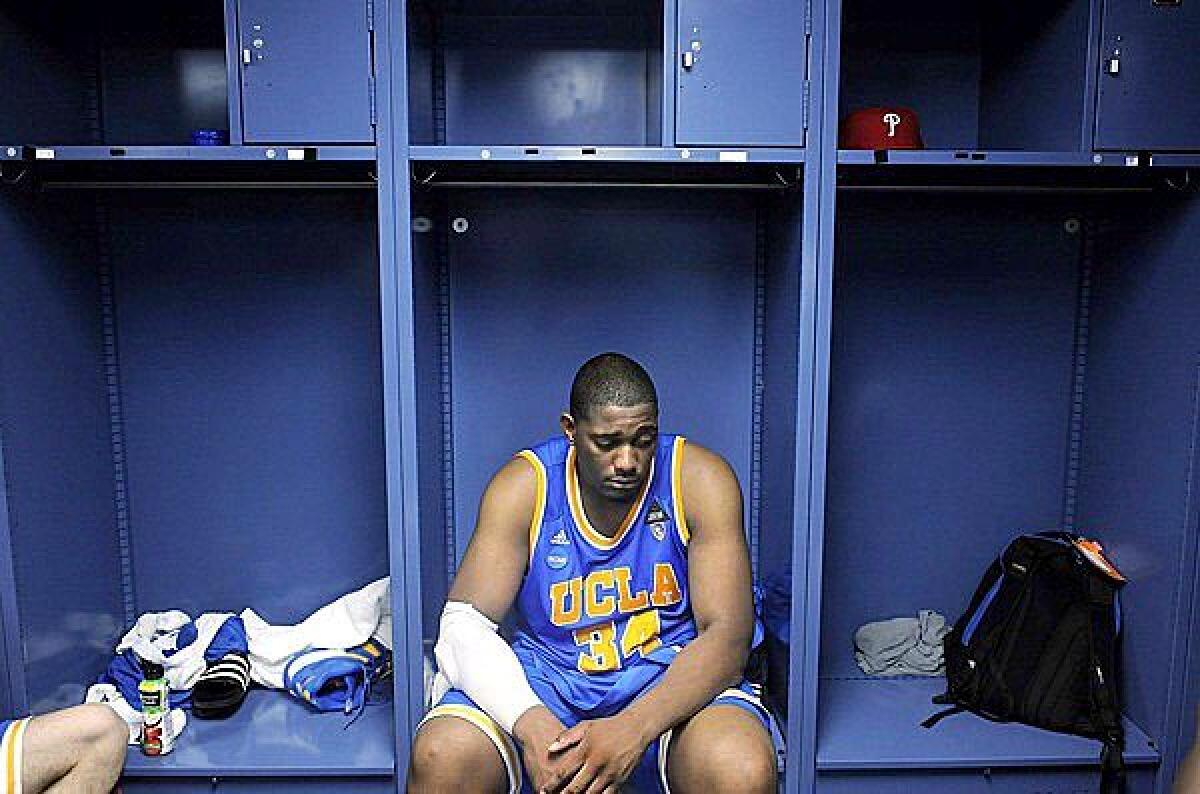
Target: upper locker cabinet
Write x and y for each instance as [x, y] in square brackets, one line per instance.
[306, 70]
[742, 71]
[1149, 95]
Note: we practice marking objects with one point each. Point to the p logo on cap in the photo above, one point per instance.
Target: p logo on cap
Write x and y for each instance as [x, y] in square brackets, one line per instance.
[881, 128]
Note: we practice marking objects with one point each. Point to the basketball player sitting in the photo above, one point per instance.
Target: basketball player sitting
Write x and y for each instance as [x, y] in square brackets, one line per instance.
[622, 550]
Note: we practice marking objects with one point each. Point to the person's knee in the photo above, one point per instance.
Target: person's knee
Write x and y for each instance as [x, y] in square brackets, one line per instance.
[741, 765]
[725, 752]
[452, 753]
[99, 726]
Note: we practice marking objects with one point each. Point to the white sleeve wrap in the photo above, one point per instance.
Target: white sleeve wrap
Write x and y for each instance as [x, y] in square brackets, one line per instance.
[478, 661]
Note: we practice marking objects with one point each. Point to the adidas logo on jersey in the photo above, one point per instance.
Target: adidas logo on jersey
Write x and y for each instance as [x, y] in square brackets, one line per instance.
[560, 539]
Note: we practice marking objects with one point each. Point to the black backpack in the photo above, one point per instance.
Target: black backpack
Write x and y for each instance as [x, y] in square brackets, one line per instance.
[1038, 645]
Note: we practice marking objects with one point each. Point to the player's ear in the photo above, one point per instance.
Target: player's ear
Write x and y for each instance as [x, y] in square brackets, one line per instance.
[567, 423]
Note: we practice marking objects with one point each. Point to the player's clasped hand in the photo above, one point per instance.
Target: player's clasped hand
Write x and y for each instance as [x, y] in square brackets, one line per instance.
[595, 757]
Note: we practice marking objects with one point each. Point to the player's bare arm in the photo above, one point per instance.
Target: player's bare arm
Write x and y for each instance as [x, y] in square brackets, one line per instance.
[490, 577]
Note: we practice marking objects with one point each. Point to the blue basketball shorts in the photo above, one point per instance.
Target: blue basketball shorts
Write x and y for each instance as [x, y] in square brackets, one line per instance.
[12, 735]
[650, 776]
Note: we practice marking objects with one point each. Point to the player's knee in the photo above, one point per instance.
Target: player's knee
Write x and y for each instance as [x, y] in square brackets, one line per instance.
[736, 763]
[450, 752]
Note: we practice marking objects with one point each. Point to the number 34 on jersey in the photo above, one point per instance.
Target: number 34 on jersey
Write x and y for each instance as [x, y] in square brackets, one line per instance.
[606, 593]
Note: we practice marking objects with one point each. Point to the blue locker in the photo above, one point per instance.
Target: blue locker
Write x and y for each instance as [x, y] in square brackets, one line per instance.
[307, 72]
[742, 73]
[1149, 93]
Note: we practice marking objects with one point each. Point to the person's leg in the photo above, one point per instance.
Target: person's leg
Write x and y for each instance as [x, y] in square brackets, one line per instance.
[723, 749]
[79, 750]
[460, 750]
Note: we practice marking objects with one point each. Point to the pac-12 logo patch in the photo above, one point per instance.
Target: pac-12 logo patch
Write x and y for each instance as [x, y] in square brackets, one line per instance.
[556, 560]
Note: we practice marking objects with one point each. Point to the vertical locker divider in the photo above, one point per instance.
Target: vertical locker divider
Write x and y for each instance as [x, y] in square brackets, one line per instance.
[816, 307]
[233, 73]
[13, 693]
[399, 377]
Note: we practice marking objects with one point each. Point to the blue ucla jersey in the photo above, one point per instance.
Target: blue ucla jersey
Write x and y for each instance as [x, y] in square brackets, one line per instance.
[599, 618]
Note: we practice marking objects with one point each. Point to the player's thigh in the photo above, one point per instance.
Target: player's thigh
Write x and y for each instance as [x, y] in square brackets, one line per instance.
[451, 751]
[56, 743]
[723, 748]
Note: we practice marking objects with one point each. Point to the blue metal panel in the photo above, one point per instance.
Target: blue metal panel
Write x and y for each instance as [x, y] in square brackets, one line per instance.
[309, 73]
[275, 735]
[313, 786]
[975, 781]
[1141, 429]
[1153, 101]
[816, 307]
[950, 400]
[1034, 68]
[551, 80]
[57, 456]
[249, 344]
[744, 81]
[401, 412]
[610, 153]
[667, 279]
[876, 724]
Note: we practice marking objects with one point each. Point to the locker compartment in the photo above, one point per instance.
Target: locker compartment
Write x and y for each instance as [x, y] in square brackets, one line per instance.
[536, 72]
[1148, 95]
[515, 288]
[1005, 364]
[977, 781]
[141, 73]
[978, 75]
[191, 419]
[741, 73]
[307, 71]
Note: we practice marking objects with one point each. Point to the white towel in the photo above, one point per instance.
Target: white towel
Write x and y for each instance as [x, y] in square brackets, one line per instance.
[157, 633]
[349, 621]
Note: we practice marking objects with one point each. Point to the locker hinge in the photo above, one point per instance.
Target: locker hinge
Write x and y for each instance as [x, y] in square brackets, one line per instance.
[371, 94]
[808, 17]
[807, 101]
[370, 14]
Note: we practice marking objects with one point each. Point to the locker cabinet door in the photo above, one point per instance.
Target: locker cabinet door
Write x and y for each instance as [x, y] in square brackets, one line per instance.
[306, 71]
[741, 70]
[1149, 96]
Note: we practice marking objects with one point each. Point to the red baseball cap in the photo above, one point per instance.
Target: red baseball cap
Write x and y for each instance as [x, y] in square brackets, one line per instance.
[881, 128]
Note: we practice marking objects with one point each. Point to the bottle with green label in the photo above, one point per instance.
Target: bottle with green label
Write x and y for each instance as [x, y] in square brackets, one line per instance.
[156, 710]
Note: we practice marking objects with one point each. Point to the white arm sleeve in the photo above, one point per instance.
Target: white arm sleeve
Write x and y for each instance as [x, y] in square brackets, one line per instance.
[478, 661]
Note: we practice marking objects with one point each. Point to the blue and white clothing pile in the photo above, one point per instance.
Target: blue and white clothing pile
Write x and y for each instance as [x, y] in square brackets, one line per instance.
[330, 660]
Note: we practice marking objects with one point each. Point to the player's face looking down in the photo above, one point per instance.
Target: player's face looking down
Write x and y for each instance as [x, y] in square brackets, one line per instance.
[614, 446]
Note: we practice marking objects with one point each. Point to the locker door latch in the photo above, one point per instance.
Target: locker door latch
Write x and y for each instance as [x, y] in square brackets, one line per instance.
[1112, 64]
[689, 55]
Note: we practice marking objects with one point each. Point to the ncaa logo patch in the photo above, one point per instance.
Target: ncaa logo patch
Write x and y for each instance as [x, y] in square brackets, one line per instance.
[657, 518]
[556, 560]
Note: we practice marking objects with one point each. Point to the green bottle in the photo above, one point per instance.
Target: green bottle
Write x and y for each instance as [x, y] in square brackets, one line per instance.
[156, 710]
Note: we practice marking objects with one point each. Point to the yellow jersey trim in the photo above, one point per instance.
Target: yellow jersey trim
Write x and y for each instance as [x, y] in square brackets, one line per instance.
[539, 506]
[685, 534]
[10, 750]
[480, 719]
[597, 539]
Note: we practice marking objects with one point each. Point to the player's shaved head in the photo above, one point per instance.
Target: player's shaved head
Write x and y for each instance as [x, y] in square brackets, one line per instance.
[611, 379]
